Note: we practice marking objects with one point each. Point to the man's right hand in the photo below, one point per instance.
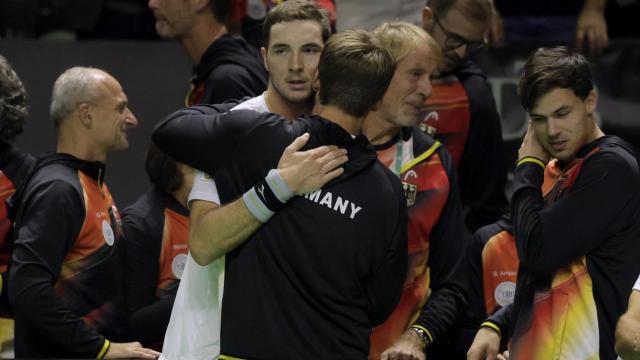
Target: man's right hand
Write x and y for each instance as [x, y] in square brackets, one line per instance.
[486, 345]
[130, 350]
[306, 171]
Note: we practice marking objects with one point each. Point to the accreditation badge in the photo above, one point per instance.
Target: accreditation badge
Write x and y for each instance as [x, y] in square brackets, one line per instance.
[410, 192]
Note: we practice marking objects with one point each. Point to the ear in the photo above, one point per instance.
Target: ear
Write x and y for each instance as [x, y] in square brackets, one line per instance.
[263, 53]
[84, 115]
[591, 101]
[427, 18]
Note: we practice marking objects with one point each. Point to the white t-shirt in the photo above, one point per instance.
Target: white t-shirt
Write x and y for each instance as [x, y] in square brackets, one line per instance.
[637, 285]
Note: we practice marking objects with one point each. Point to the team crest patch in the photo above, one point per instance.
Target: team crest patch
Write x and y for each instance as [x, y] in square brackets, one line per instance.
[410, 192]
[178, 264]
[107, 233]
[504, 293]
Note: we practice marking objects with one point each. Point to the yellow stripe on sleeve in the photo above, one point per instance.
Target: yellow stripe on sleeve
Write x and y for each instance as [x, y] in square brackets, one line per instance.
[531, 159]
[491, 326]
[105, 348]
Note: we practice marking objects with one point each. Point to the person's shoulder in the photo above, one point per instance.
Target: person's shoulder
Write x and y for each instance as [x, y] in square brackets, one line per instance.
[146, 213]
[426, 144]
[56, 173]
[257, 103]
[258, 118]
[388, 178]
[615, 154]
[55, 185]
[485, 233]
[145, 205]
[470, 71]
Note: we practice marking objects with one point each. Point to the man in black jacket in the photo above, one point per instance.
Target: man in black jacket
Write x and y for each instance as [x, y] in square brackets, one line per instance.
[65, 280]
[462, 112]
[577, 245]
[226, 66]
[326, 266]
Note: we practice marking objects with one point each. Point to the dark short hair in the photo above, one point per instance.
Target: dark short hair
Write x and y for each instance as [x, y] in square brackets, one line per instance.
[220, 9]
[162, 170]
[354, 72]
[13, 103]
[478, 11]
[291, 10]
[549, 68]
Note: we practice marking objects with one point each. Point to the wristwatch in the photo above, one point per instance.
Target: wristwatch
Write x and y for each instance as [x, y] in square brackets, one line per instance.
[422, 334]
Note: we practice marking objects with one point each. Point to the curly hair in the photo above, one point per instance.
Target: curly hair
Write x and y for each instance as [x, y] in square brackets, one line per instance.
[13, 103]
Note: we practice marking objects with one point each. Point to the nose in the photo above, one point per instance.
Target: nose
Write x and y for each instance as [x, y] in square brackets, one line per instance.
[295, 61]
[130, 119]
[424, 86]
[553, 127]
[152, 4]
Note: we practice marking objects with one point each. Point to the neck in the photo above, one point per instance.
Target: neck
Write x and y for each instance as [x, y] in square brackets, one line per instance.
[74, 140]
[78, 146]
[377, 129]
[597, 132]
[352, 124]
[182, 195]
[202, 35]
[278, 105]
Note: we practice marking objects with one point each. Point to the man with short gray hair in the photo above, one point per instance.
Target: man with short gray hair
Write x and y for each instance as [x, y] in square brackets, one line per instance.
[65, 281]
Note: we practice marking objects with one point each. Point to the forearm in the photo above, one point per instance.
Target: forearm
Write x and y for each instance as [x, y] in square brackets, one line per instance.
[42, 309]
[447, 267]
[628, 337]
[200, 136]
[214, 231]
[526, 204]
[440, 311]
[500, 321]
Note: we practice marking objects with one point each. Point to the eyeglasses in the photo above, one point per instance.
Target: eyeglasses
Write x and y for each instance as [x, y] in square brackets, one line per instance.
[454, 41]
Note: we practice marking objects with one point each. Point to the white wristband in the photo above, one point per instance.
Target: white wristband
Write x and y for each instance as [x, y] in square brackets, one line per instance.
[204, 188]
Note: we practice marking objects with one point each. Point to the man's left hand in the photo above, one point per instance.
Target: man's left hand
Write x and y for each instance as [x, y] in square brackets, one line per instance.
[532, 147]
[408, 347]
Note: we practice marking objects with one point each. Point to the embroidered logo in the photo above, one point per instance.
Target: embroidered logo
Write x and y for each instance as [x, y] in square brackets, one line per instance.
[261, 191]
[107, 233]
[426, 128]
[410, 192]
[504, 293]
[178, 264]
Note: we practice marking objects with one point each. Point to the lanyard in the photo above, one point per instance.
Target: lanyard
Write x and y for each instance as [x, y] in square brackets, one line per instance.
[398, 164]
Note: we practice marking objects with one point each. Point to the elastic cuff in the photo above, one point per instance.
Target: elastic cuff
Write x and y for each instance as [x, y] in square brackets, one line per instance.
[204, 188]
[531, 159]
[105, 348]
[491, 325]
[256, 206]
[278, 186]
[425, 330]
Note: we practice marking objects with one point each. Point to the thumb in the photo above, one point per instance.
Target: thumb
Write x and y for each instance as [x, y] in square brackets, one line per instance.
[298, 143]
